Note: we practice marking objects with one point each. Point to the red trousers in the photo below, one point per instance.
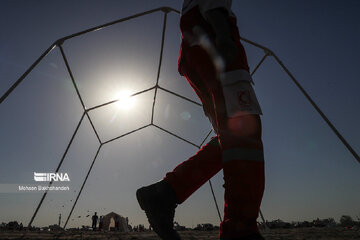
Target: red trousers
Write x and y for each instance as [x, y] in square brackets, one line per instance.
[237, 149]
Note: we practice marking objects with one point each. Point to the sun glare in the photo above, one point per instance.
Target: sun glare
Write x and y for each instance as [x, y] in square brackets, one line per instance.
[125, 101]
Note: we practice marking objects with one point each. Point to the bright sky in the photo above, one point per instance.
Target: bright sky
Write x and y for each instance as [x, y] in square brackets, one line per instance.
[309, 173]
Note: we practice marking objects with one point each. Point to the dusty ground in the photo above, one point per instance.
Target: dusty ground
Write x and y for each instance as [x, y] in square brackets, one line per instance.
[275, 234]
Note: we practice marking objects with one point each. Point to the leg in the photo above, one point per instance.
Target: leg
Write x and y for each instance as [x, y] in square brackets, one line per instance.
[243, 165]
[190, 175]
[242, 151]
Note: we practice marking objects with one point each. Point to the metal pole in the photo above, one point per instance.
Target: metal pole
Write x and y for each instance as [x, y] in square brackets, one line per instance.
[259, 64]
[178, 95]
[140, 128]
[183, 139]
[57, 169]
[307, 96]
[82, 186]
[210, 183]
[93, 29]
[216, 204]
[114, 101]
[61, 40]
[262, 217]
[159, 67]
[12, 88]
[77, 90]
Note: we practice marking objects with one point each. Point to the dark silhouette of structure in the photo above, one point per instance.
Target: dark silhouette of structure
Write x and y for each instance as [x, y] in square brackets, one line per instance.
[121, 223]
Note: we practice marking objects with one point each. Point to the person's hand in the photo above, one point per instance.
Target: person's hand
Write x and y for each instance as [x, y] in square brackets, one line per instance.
[227, 48]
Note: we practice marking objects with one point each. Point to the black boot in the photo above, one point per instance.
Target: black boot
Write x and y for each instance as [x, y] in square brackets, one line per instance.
[159, 202]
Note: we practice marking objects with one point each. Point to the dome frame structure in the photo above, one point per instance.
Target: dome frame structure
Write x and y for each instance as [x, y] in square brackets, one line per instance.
[166, 10]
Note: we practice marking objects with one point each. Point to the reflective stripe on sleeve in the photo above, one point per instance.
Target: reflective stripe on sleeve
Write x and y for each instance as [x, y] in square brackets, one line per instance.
[243, 154]
[232, 77]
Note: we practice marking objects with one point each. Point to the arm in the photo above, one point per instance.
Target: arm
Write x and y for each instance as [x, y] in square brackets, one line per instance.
[218, 19]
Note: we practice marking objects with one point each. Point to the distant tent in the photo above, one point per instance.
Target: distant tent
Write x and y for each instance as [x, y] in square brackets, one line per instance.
[122, 225]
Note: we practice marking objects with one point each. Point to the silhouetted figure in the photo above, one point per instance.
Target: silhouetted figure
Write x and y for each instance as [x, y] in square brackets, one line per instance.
[127, 223]
[94, 221]
[101, 221]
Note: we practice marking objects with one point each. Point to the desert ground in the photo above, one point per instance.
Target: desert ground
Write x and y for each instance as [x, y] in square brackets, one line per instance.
[273, 234]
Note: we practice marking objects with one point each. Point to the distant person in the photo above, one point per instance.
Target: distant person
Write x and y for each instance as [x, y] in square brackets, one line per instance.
[101, 222]
[127, 223]
[214, 62]
[94, 221]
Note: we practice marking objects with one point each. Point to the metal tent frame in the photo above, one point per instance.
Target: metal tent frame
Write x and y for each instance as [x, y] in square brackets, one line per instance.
[166, 11]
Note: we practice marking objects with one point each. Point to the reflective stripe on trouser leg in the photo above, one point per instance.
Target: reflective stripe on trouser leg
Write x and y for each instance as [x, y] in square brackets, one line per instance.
[190, 175]
[239, 153]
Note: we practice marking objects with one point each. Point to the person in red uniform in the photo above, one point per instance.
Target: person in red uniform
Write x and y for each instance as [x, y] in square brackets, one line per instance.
[214, 62]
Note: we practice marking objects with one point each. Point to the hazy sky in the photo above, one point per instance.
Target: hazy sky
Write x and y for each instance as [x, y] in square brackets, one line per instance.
[309, 173]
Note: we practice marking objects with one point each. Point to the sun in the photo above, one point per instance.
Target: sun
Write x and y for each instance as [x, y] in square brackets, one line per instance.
[125, 100]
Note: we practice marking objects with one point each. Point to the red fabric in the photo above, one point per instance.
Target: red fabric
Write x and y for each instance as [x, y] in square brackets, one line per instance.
[244, 187]
[190, 175]
[244, 178]
[194, 18]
